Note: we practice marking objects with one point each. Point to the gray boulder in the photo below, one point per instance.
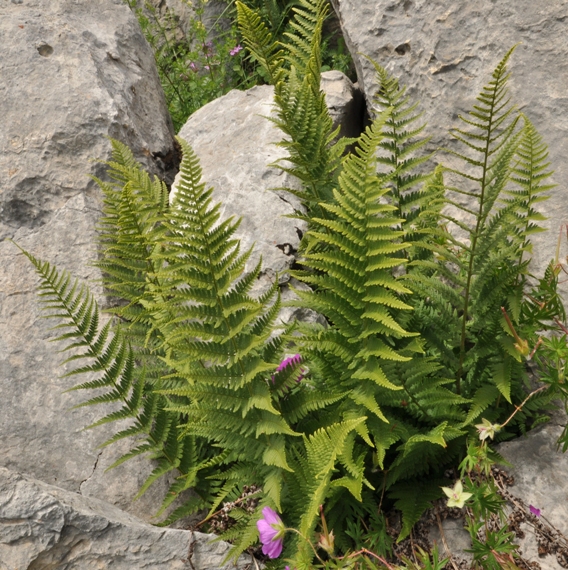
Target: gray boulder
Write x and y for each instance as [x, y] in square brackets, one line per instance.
[73, 73]
[344, 102]
[539, 469]
[445, 52]
[42, 526]
[235, 143]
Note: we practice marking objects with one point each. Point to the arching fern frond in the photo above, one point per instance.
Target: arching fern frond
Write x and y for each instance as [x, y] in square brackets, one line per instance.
[482, 274]
[259, 41]
[311, 479]
[529, 173]
[313, 154]
[110, 355]
[365, 349]
[402, 139]
[133, 209]
[355, 288]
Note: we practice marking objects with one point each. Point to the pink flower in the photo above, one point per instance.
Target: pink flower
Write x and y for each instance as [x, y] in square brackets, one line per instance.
[534, 511]
[291, 361]
[271, 530]
[236, 50]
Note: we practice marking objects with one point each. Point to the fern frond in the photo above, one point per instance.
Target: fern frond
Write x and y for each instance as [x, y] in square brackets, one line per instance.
[109, 353]
[354, 287]
[133, 208]
[529, 174]
[259, 41]
[313, 154]
[313, 468]
[402, 138]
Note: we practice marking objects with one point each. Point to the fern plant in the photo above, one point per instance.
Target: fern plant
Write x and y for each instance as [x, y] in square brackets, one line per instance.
[473, 288]
[190, 355]
[466, 288]
[367, 354]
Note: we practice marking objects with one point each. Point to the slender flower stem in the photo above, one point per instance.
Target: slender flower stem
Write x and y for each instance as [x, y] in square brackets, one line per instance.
[530, 356]
[519, 408]
[368, 552]
[308, 541]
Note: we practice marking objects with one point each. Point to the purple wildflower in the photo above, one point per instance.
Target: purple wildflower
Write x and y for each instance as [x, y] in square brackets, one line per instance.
[271, 530]
[291, 361]
[236, 50]
[534, 511]
[192, 66]
[206, 67]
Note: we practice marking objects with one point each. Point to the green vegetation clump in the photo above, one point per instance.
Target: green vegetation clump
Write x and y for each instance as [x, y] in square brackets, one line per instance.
[203, 59]
[425, 356]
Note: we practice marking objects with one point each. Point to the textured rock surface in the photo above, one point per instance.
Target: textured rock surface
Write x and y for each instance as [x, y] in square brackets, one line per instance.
[445, 52]
[235, 143]
[72, 74]
[540, 472]
[44, 527]
[345, 103]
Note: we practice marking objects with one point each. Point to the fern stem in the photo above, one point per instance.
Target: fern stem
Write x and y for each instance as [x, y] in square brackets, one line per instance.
[413, 398]
[474, 238]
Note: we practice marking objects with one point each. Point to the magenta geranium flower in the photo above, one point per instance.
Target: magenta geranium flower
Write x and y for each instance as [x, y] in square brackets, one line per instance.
[534, 511]
[291, 361]
[271, 530]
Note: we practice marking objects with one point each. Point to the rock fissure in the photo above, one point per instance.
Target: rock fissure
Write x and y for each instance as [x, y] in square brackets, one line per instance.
[92, 472]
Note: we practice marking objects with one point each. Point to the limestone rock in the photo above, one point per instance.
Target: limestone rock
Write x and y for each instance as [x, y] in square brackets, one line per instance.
[72, 73]
[45, 527]
[444, 52]
[290, 314]
[345, 103]
[236, 143]
[540, 469]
